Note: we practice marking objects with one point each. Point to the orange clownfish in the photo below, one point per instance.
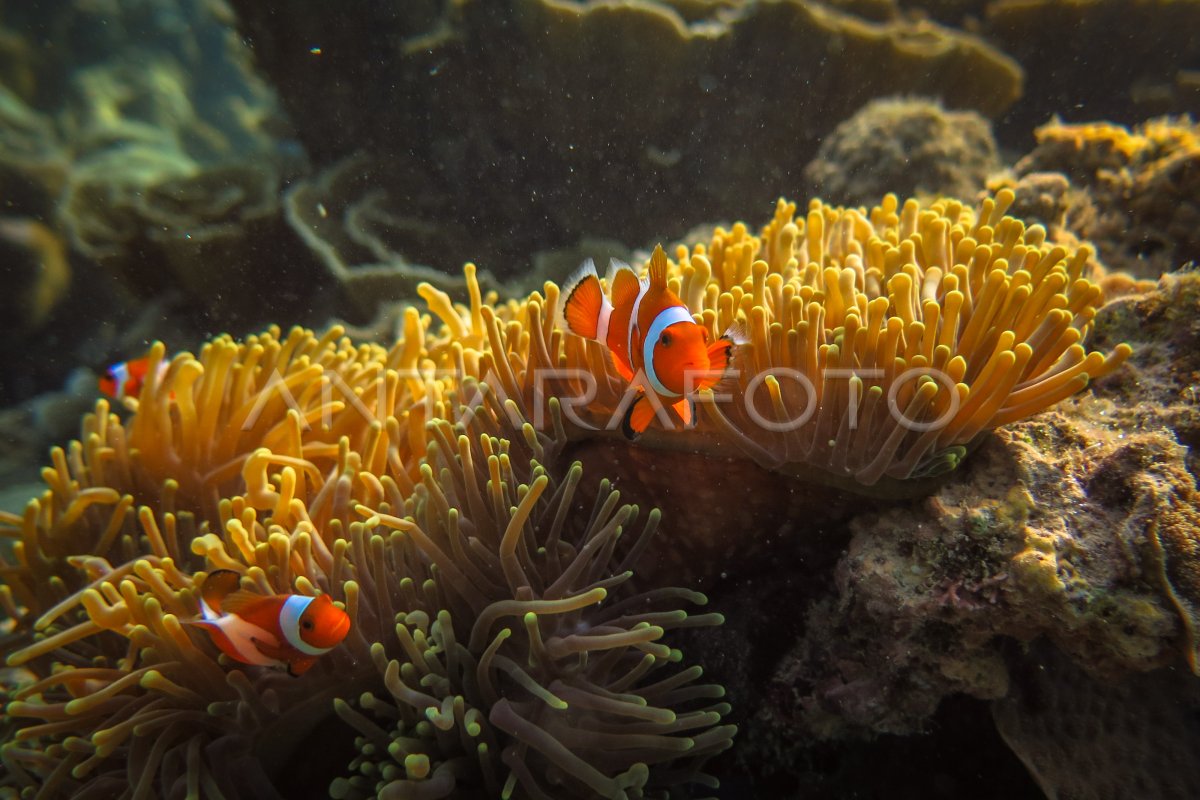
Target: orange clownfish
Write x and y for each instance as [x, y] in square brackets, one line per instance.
[648, 330]
[282, 630]
[125, 380]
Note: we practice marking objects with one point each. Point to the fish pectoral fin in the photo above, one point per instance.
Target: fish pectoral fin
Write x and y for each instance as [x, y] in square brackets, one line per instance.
[686, 411]
[637, 417]
[275, 651]
[301, 665]
[720, 363]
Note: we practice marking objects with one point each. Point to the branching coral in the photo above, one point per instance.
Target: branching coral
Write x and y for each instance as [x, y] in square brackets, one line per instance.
[470, 531]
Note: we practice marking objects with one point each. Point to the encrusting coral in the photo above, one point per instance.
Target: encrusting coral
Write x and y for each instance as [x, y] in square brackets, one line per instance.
[493, 618]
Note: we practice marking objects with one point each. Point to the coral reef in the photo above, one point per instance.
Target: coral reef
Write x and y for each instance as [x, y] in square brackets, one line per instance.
[165, 93]
[553, 115]
[434, 488]
[37, 258]
[355, 221]
[1140, 189]
[150, 156]
[906, 146]
[887, 339]
[956, 469]
[433, 536]
[1083, 61]
[1030, 546]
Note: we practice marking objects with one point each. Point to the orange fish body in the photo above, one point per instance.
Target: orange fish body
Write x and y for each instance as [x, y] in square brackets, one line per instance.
[290, 630]
[650, 332]
[125, 380]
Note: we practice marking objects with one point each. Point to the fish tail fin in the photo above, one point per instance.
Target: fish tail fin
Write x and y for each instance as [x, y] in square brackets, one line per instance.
[218, 585]
[658, 267]
[584, 301]
[637, 417]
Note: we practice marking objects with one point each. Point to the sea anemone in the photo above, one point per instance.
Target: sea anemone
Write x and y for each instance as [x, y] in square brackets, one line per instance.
[496, 628]
[508, 635]
[499, 640]
[883, 342]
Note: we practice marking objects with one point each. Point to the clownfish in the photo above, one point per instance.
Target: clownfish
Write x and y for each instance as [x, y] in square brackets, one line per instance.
[282, 630]
[648, 330]
[124, 381]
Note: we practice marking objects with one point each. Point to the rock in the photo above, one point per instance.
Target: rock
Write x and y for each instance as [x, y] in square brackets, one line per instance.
[909, 146]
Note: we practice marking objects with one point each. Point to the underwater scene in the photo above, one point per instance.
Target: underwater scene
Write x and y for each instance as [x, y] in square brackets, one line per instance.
[552, 399]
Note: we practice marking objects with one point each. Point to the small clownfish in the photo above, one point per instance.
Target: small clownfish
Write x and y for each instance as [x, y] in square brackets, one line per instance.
[648, 329]
[282, 630]
[124, 381]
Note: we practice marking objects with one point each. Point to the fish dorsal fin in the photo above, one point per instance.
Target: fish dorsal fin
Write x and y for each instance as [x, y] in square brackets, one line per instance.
[239, 602]
[624, 287]
[582, 301]
[217, 586]
[658, 268]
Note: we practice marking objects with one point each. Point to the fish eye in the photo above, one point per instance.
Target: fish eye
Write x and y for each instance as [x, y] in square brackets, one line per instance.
[307, 624]
[665, 339]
